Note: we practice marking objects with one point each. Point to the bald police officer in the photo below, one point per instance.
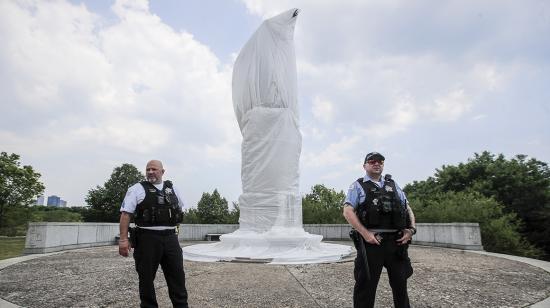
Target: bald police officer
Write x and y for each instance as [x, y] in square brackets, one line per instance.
[378, 210]
[156, 207]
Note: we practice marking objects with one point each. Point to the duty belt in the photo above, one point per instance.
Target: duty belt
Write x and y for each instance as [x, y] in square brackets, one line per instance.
[383, 230]
[157, 232]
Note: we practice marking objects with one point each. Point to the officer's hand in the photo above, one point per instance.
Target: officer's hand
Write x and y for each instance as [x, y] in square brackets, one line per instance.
[407, 236]
[124, 248]
[370, 238]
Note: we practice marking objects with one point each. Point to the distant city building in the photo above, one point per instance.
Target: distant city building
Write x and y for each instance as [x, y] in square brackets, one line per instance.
[53, 200]
[40, 200]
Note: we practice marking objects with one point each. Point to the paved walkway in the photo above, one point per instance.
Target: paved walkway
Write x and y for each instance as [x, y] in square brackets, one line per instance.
[98, 277]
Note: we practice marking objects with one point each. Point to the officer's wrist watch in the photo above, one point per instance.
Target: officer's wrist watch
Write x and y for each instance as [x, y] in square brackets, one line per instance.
[413, 230]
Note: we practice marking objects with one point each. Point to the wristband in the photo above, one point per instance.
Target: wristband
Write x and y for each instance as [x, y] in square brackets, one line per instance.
[413, 230]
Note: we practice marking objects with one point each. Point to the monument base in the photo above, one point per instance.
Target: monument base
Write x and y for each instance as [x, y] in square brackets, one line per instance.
[277, 246]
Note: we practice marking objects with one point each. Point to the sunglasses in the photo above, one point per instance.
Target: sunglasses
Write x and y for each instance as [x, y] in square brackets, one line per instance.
[374, 161]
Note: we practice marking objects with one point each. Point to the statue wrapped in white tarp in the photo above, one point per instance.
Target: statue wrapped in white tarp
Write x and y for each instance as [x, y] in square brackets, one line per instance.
[265, 103]
[266, 107]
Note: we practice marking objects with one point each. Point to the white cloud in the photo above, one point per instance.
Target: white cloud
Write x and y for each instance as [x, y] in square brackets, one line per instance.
[487, 76]
[397, 119]
[479, 117]
[129, 134]
[332, 154]
[92, 91]
[137, 67]
[49, 52]
[267, 9]
[134, 85]
[322, 109]
[451, 107]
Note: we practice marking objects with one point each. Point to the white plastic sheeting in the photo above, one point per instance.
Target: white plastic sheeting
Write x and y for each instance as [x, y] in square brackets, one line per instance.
[266, 107]
[274, 247]
[270, 170]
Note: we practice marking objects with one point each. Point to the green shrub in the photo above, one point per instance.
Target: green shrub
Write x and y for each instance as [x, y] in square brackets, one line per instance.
[499, 231]
[14, 222]
[16, 219]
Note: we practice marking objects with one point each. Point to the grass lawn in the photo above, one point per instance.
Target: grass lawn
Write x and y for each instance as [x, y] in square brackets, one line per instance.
[11, 247]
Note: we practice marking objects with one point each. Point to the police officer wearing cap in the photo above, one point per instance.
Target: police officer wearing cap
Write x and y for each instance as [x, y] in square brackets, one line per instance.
[156, 208]
[379, 212]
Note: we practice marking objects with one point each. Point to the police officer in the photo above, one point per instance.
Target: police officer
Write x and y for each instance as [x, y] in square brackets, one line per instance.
[378, 210]
[157, 209]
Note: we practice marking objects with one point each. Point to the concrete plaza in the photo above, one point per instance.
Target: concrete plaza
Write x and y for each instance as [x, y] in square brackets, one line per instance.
[99, 277]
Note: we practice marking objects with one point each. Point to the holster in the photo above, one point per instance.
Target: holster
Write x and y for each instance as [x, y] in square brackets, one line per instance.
[359, 243]
[403, 254]
[132, 236]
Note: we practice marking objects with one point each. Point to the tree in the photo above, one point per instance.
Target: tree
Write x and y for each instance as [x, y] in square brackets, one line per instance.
[194, 216]
[234, 214]
[19, 185]
[521, 185]
[323, 206]
[105, 200]
[212, 208]
[191, 216]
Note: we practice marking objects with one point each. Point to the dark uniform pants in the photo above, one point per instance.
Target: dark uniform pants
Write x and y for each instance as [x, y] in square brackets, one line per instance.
[154, 248]
[399, 268]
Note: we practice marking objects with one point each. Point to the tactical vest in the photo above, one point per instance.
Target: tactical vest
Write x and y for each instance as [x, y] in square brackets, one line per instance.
[382, 208]
[159, 207]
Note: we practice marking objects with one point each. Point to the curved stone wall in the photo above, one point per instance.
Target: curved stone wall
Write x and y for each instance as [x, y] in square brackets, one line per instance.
[56, 236]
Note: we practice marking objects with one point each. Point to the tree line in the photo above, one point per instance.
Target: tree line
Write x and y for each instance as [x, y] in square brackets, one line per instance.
[509, 198]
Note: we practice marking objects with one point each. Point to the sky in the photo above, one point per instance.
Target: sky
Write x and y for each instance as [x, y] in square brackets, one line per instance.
[86, 86]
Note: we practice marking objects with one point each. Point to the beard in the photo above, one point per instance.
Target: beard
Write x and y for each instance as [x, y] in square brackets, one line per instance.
[152, 180]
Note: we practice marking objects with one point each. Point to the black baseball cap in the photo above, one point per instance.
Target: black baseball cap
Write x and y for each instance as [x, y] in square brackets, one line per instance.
[374, 155]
